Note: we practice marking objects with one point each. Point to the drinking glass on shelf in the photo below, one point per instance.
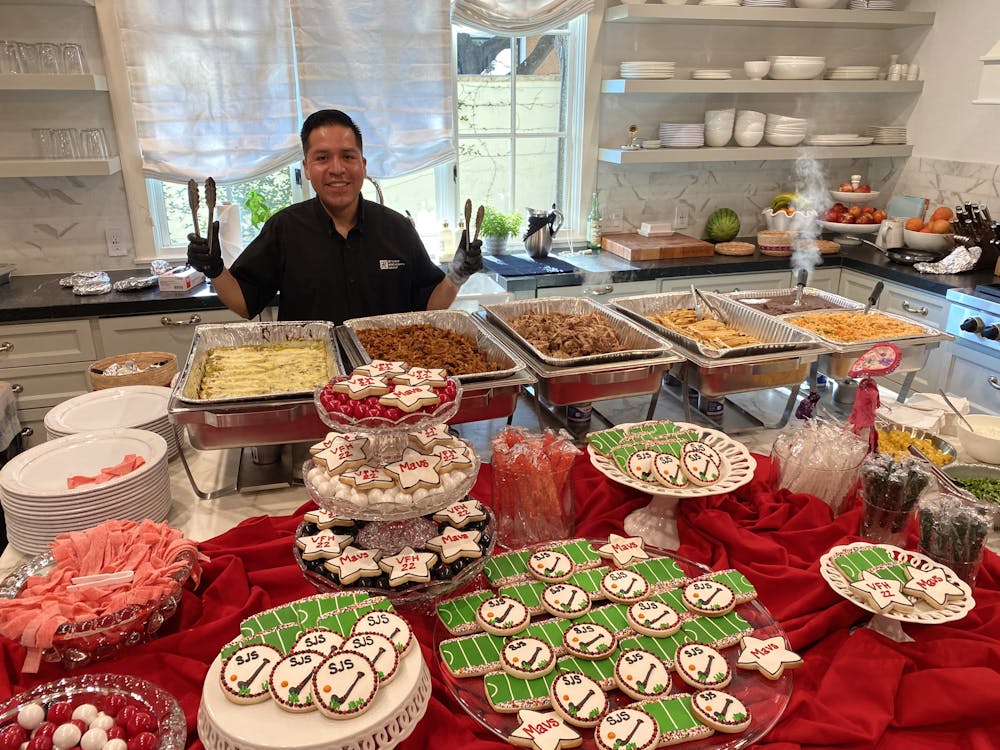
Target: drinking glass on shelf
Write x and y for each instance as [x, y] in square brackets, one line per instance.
[72, 59]
[64, 143]
[93, 144]
[27, 54]
[42, 138]
[9, 61]
[49, 58]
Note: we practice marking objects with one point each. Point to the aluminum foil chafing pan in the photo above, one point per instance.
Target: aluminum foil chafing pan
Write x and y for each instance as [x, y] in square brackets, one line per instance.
[460, 321]
[207, 337]
[817, 298]
[776, 335]
[636, 342]
[926, 333]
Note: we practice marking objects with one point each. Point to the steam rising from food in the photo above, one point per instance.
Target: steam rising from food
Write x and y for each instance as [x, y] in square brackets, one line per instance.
[810, 184]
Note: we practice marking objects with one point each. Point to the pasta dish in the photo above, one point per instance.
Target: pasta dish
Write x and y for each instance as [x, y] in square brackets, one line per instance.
[708, 330]
[850, 327]
[264, 369]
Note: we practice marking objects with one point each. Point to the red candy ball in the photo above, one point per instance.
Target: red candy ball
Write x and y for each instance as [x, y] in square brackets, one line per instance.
[11, 737]
[143, 741]
[79, 724]
[114, 704]
[45, 729]
[117, 732]
[140, 722]
[59, 713]
[40, 742]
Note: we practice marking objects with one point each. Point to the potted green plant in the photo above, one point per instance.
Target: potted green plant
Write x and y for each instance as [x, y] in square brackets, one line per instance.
[497, 228]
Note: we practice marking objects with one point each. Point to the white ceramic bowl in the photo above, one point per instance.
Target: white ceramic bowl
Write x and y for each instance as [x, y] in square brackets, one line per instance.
[927, 240]
[756, 69]
[748, 138]
[854, 197]
[797, 221]
[796, 71]
[832, 226]
[778, 139]
[817, 4]
[773, 119]
[674, 2]
[984, 444]
[633, 2]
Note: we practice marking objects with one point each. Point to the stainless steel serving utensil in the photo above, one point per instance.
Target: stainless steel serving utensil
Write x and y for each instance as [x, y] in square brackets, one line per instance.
[800, 286]
[480, 212]
[193, 203]
[947, 481]
[696, 302]
[210, 203]
[873, 297]
[468, 224]
[954, 408]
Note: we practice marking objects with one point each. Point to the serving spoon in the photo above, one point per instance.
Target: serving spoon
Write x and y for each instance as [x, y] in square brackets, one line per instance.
[954, 408]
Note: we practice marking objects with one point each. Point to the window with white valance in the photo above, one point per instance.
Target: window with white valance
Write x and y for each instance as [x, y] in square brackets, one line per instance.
[517, 17]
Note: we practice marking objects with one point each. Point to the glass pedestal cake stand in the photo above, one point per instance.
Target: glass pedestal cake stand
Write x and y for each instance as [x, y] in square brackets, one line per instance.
[657, 522]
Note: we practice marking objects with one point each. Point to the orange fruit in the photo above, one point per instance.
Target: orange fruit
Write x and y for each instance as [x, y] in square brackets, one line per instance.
[940, 226]
[926, 229]
[942, 213]
[914, 224]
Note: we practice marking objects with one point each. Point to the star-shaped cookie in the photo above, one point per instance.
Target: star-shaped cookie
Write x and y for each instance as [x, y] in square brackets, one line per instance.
[367, 478]
[932, 585]
[457, 456]
[880, 593]
[768, 656]
[324, 519]
[362, 386]
[623, 549]
[323, 544]
[451, 544]
[544, 730]
[422, 376]
[461, 513]
[353, 563]
[408, 565]
[381, 368]
[343, 454]
[430, 436]
[415, 470]
[409, 398]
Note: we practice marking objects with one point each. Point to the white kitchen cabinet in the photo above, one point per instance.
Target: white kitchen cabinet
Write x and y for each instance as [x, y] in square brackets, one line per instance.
[914, 304]
[47, 385]
[856, 286]
[824, 279]
[171, 332]
[602, 292]
[970, 373]
[32, 426]
[25, 344]
[729, 282]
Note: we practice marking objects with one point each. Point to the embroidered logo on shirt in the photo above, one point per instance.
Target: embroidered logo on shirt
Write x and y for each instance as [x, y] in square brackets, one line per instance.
[390, 264]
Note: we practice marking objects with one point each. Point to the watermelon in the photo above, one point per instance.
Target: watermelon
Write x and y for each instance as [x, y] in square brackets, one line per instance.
[722, 225]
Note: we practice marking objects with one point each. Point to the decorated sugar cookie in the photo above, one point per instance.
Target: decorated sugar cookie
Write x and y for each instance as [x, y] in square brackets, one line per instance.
[455, 457]
[627, 728]
[324, 519]
[624, 586]
[566, 600]
[623, 549]
[323, 640]
[368, 478]
[653, 617]
[502, 615]
[588, 640]
[344, 685]
[342, 455]
[697, 446]
[578, 699]
[360, 386]
[329, 440]
[550, 566]
[325, 544]
[429, 437]
[709, 597]
[701, 666]
[700, 469]
[245, 675]
[389, 624]
[667, 470]
[407, 566]
[527, 658]
[543, 731]
[291, 679]
[642, 675]
[461, 514]
[379, 650]
[415, 470]
[640, 465]
[354, 563]
[434, 377]
[453, 544]
[932, 586]
[722, 711]
[410, 398]
[381, 368]
[881, 594]
[769, 656]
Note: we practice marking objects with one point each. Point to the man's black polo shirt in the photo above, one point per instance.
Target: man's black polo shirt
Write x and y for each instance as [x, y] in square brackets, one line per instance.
[382, 266]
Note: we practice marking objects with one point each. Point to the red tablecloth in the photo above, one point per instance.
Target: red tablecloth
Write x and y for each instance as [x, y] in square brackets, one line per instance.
[855, 690]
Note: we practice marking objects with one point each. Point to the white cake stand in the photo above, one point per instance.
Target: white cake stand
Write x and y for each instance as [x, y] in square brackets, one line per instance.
[657, 522]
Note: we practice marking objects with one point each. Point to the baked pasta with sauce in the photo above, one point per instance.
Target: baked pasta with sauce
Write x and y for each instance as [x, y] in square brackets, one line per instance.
[263, 369]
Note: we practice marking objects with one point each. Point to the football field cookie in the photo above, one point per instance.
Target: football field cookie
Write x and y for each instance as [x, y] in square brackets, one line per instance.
[701, 666]
[502, 615]
[721, 711]
[578, 699]
[642, 675]
[527, 658]
[653, 617]
[627, 728]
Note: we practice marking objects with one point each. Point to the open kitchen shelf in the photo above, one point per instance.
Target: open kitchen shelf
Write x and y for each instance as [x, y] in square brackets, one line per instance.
[792, 17]
[40, 82]
[736, 153]
[59, 167]
[88, 3]
[680, 86]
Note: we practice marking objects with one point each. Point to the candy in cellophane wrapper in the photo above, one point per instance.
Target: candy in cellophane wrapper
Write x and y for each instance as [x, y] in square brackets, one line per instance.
[532, 492]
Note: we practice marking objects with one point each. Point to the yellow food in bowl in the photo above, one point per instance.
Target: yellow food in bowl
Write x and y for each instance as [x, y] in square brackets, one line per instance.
[896, 443]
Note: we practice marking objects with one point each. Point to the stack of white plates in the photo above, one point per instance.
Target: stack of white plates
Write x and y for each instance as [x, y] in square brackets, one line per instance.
[710, 74]
[142, 407]
[780, 130]
[719, 2]
[682, 135]
[647, 69]
[767, 3]
[840, 139]
[873, 5]
[887, 135]
[853, 73]
[38, 506]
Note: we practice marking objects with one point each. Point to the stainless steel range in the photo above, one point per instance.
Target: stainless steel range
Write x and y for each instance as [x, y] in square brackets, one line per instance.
[974, 321]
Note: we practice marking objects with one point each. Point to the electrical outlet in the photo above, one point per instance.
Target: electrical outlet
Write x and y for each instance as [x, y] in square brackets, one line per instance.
[116, 242]
[681, 216]
[614, 221]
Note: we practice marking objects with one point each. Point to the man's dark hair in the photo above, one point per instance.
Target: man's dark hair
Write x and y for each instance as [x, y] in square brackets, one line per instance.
[328, 117]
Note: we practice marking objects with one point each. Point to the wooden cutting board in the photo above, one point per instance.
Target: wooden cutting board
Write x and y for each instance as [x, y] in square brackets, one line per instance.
[634, 246]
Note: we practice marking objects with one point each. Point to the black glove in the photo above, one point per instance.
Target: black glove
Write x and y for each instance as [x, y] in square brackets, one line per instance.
[464, 264]
[206, 259]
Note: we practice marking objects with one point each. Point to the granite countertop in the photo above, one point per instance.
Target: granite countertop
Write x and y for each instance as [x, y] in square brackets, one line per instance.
[33, 298]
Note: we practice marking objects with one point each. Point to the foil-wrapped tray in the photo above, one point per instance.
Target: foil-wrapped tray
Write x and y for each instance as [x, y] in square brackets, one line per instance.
[926, 335]
[459, 321]
[207, 337]
[774, 333]
[637, 343]
[815, 300]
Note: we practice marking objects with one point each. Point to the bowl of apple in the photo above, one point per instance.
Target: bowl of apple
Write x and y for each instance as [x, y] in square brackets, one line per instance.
[853, 219]
[848, 194]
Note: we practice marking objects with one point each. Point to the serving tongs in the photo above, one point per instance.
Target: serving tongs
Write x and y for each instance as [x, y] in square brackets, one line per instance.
[194, 202]
[945, 480]
[701, 303]
[470, 238]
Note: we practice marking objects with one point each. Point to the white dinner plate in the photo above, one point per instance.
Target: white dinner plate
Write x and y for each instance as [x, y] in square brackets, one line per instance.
[126, 406]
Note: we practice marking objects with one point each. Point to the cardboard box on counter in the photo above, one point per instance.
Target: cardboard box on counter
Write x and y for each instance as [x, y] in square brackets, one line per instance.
[180, 279]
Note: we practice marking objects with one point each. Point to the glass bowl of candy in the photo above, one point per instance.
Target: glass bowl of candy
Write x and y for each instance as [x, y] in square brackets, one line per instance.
[416, 407]
[93, 712]
[81, 642]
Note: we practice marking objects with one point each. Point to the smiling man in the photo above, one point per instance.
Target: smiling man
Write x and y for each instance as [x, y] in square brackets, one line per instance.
[336, 256]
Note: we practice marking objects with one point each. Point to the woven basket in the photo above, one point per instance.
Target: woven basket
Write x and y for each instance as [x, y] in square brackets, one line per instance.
[161, 375]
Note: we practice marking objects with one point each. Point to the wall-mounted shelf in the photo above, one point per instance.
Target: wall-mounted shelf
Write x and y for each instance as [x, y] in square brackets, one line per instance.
[86, 3]
[59, 167]
[40, 82]
[791, 17]
[681, 86]
[736, 153]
